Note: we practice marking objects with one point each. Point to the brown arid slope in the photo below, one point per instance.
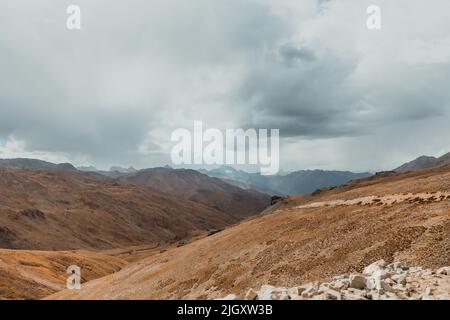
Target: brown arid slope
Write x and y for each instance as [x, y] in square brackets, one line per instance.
[301, 239]
[65, 210]
[195, 186]
[424, 162]
[26, 274]
[36, 274]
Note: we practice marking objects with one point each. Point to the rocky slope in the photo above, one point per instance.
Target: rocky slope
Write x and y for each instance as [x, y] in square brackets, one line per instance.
[377, 282]
[61, 210]
[197, 187]
[424, 162]
[300, 240]
[36, 274]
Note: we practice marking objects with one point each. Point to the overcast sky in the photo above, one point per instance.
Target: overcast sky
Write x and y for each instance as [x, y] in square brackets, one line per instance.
[343, 96]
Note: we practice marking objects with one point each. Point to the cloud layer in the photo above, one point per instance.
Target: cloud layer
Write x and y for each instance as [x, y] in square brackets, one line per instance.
[343, 97]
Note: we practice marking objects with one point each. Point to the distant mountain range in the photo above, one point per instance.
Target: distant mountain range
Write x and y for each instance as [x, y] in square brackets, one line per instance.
[193, 185]
[283, 184]
[24, 163]
[294, 183]
[47, 206]
[424, 162]
[112, 169]
[114, 172]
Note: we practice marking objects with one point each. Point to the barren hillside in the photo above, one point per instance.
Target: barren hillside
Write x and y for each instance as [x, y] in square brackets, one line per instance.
[198, 187]
[62, 210]
[425, 162]
[36, 274]
[299, 240]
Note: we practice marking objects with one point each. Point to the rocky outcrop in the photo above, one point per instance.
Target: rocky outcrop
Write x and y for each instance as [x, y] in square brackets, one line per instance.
[7, 236]
[277, 199]
[33, 214]
[378, 281]
[5, 232]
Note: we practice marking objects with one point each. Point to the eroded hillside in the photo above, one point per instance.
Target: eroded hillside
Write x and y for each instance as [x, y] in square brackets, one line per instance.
[195, 186]
[64, 210]
[297, 242]
[36, 274]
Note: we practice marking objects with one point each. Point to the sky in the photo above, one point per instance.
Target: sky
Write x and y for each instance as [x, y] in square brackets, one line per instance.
[343, 97]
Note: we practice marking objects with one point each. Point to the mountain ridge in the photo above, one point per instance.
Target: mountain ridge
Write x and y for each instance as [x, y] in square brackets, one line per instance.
[293, 183]
[424, 162]
[198, 187]
[36, 164]
[65, 210]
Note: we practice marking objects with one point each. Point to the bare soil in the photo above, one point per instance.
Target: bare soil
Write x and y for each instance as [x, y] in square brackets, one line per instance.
[296, 242]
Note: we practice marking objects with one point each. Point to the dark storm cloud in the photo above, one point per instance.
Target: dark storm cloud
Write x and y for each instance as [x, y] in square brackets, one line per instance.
[99, 91]
[305, 99]
[320, 99]
[115, 90]
[292, 53]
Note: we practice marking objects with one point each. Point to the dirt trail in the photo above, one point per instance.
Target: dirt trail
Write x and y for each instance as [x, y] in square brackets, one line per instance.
[387, 200]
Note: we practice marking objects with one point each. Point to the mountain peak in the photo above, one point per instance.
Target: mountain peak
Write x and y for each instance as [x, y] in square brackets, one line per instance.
[122, 170]
[34, 164]
[424, 162]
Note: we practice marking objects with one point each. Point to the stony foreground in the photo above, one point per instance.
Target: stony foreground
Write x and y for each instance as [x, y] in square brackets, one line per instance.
[377, 282]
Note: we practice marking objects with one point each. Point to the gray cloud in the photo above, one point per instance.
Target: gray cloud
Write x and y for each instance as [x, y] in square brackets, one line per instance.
[292, 53]
[113, 92]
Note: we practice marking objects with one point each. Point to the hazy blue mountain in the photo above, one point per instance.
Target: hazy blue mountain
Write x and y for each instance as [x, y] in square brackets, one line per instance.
[123, 170]
[294, 183]
[88, 169]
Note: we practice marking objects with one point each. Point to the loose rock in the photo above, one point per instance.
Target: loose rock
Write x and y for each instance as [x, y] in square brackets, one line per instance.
[378, 282]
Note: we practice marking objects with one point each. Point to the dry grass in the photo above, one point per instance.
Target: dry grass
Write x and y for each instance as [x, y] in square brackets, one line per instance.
[36, 274]
[295, 244]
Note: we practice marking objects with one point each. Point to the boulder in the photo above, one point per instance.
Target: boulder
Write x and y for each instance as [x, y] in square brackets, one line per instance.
[376, 266]
[386, 287]
[395, 266]
[265, 293]
[341, 284]
[251, 295]
[444, 271]
[399, 278]
[309, 291]
[358, 282]
[332, 294]
[293, 293]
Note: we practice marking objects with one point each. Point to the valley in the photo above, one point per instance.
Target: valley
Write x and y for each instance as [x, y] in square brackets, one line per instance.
[292, 244]
[133, 236]
[224, 150]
